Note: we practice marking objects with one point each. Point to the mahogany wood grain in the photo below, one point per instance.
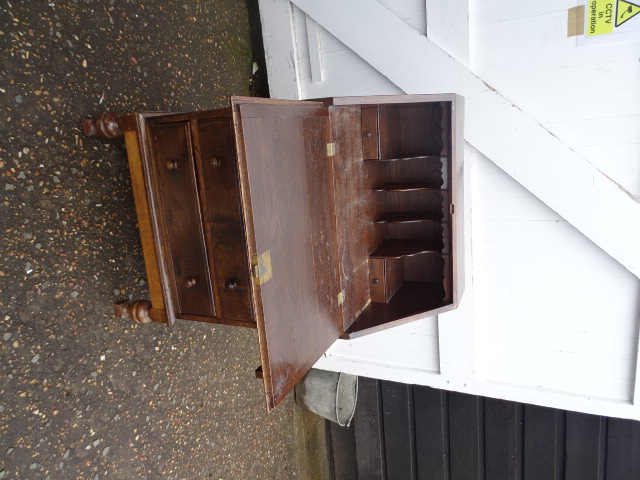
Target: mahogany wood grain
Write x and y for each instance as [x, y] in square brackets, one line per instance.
[409, 129]
[386, 277]
[428, 231]
[395, 276]
[369, 133]
[448, 278]
[405, 187]
[411, 299]
[397, 248]
[377, 280]
[353, 203]
[106, 125]
[291, 192]
[401, 159]
[222, 215]
[425, 170]
[425, 267]
[154, 279]
[138, 310]
[176, 187]
[409, 217]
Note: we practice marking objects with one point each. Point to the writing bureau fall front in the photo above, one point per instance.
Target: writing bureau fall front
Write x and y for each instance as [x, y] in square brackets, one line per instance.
[308, 220]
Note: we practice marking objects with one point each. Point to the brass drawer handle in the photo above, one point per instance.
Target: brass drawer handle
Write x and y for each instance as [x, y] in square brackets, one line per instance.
[171, 165]
[190, 282]
[216, 162]
[231, 284]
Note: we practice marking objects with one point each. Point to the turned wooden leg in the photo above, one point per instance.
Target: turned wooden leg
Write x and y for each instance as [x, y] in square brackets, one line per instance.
[138, 310]
[106, 125]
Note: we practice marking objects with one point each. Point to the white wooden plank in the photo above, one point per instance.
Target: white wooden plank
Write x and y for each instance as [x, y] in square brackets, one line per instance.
[585, 279]
[533, 336]
[576, 190]
[636, 386]
[299, 29]
[602, 304]
[418, 350]
[536, 43]
[582, 81]
[351, 83]
[544, 254]
[412, 12]
[489, 388]
[448, 27]
[553, 311]
[315, 50]
[457, 328]
[571, 373]
[596, 323]
[617, 161]
[599, 131]
[495, 12]
[566, 107]
[279, 48]
[527, 232]
[346, 74]
[527, 209]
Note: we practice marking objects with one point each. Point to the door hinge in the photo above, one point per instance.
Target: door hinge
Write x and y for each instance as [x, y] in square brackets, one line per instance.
[331, 149]
[452, 209]
[261, 266]
[341, 298]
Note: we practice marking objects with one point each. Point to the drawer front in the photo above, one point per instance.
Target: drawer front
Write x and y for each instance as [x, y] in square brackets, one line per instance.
[370, 148]
[223, 218]
[386, 276]
[184, 242]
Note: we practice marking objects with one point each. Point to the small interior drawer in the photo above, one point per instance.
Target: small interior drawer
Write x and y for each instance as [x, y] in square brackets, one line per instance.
[386, 276]
[370, 137]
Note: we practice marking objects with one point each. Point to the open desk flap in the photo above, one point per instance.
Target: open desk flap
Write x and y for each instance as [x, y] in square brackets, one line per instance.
[287, 185]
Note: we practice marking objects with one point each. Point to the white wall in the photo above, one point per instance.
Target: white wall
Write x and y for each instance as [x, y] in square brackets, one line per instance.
[552, 310]
[548, 317]
[588, 96]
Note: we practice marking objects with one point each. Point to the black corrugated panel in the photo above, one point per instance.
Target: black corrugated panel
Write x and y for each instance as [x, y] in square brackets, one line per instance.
[411, 432]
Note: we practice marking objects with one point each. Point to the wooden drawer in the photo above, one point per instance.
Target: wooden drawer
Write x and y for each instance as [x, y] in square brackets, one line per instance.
[386, 276]
[183, 239]
[370, 138]
[223, 218]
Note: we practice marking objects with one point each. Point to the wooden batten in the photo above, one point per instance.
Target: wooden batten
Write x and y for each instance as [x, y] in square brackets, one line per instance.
[158, 310]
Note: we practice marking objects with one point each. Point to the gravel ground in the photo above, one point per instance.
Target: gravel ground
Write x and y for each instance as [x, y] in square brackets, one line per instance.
[84, 395]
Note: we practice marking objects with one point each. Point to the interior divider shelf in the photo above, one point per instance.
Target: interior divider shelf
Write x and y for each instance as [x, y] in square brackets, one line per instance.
[396, 248]
[409, 217]
[407, 187]
[408, 157]
[410, 299]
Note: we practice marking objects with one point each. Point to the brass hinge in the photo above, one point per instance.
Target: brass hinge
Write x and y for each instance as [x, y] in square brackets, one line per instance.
[331, 149]
[341, 298]
[261, 267]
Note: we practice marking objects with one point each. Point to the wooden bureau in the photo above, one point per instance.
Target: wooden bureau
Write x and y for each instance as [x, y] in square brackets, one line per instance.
[309, 220]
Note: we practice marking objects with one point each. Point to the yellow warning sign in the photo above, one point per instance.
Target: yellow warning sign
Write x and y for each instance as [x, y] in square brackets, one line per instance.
[599, 17]
[625, 11]
[601, 22]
